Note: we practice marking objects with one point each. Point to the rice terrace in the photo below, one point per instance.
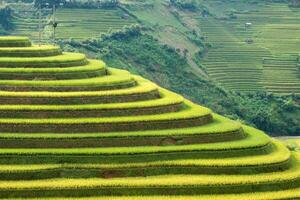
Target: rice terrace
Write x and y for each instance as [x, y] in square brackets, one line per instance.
[150, 100]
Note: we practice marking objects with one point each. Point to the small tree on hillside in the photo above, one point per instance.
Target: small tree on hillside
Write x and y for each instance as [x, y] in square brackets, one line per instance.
[294, 3]
[5, 18]
[184, 4]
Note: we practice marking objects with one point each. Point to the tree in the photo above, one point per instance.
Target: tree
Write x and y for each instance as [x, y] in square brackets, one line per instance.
[43, 3]
[5, 18]
[184, 4]
[294, 3]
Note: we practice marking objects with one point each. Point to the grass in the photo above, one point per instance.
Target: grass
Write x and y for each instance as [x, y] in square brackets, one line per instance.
[185, 184]
[96, 81]
[13, 41]
[142, 87]
[168, 98]
[239, 66]
[169, 102]
[64, 60]
[83, 23]
[280, 74]
[139, 140]
[159, 181]
[190, 115]
[255, 139]
[91, 66]
[279, 155]
[275, 195]
[218, 126]
[191, 111]
[292, 143]
[275, 161]
[115, 79]
[144, 90]
[32, 51]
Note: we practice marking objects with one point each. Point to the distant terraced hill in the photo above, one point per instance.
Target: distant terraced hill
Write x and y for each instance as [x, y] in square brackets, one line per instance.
[72, 23]
[89, 23]
[73, 127]
[268, 61]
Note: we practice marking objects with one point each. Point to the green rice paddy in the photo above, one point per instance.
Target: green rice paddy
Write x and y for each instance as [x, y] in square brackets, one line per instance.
[74, 128]
[268, 61]
[90, 23]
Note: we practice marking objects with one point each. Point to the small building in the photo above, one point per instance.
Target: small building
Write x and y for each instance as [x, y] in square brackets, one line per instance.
[248, 24]
[125, 16]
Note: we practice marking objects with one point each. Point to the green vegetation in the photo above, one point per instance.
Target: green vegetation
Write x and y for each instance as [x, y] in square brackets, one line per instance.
[25, 20]
[63, 60]
[231, 41]
[32, 51]
[5, 19]
[11, 41]
[287, 194]
[245, 37]
[80, 3]
[185, 4]
[92, 69]
[90, 23]
[113, 133]
[292, 143]
[114, 79]
[209, 39]
[142, 54]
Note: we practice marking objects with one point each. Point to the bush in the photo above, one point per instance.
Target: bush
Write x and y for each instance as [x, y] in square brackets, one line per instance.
[294, 3]
[184, 4]
[80, 4]
[125, 33]
[5, 18]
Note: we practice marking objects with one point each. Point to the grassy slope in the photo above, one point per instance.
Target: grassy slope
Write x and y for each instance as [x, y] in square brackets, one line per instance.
[144, 55]
[25, 20]
[275, 115]
[292, 143]
[72, 23]
[230, 61]
[254, 196]
[275, 32]
[89, 23]
[168, 28]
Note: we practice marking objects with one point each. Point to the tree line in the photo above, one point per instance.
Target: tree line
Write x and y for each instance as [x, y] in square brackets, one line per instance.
[78, 3]
[5, 18]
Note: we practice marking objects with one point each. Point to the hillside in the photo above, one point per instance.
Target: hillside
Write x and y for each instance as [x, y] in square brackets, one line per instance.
[213, 36]
[229, 60]
[74, 127]
[133, 50]
[219, 68]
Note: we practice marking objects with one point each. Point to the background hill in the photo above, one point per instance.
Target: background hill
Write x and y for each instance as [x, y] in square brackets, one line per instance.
[201, 49]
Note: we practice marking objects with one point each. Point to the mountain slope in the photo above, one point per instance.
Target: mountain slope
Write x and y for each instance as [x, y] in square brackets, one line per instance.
[142, 54]
[110, 133]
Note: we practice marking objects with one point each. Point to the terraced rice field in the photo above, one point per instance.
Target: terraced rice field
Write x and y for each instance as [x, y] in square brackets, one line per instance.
[74, 128]
[269, 63]
[73, 23]
[231, 62]
[26, 22]
[281, 74]
[88, 23]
